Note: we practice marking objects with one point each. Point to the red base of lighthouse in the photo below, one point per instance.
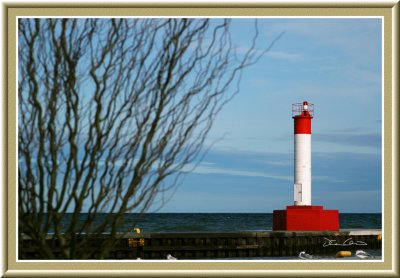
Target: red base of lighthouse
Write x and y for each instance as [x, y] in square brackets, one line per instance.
[306, 218]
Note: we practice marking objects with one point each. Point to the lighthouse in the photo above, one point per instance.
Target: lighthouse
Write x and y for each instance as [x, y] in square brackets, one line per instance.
[302, 215]
[302, 113]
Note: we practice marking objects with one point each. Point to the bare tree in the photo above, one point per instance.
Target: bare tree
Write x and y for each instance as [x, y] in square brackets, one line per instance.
[110, 111]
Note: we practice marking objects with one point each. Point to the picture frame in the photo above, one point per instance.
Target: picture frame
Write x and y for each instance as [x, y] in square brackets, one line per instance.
[389, 11]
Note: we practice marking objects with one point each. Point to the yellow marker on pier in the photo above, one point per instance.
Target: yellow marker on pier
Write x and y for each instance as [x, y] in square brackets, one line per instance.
[342, 254]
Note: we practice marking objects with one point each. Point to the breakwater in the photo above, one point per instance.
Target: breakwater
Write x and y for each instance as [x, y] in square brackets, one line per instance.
[246, 244]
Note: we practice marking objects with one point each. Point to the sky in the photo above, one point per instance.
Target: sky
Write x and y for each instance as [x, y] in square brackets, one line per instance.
[334, 63]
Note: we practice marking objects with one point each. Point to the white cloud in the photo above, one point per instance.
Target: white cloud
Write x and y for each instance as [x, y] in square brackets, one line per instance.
[205, 169]
[284, 55]
[280, 163]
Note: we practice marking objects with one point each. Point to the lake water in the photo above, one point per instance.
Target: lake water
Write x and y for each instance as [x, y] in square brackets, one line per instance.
[223, 222]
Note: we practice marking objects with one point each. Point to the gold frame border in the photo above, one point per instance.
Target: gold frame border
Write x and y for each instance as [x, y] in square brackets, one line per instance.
[390, 13]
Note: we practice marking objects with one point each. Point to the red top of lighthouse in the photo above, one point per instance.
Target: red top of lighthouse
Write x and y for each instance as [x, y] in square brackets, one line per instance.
[302, 113]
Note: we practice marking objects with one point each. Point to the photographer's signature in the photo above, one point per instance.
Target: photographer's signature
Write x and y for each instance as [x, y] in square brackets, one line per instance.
[347, 242]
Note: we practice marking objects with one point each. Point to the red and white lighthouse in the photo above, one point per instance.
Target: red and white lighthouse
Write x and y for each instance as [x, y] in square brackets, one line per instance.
[302, 216]
[302, 113]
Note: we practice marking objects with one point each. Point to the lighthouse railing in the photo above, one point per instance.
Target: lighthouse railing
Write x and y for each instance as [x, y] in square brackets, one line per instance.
[298, 109]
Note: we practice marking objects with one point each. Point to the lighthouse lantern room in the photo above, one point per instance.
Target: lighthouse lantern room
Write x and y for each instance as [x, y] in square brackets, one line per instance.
[302, 216]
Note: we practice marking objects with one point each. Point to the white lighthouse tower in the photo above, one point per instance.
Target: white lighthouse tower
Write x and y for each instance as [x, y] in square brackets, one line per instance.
[302, 113]
[302, 216]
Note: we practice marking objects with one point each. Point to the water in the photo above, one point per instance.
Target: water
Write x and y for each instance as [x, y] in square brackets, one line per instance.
[222, 222]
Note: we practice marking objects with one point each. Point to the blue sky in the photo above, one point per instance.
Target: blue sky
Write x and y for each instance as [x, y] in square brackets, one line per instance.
[334, 63]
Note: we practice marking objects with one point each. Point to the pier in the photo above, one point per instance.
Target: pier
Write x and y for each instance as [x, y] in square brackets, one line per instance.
[246, 244]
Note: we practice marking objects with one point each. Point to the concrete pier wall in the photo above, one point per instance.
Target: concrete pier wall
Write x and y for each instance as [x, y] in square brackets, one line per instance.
[212, 245]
